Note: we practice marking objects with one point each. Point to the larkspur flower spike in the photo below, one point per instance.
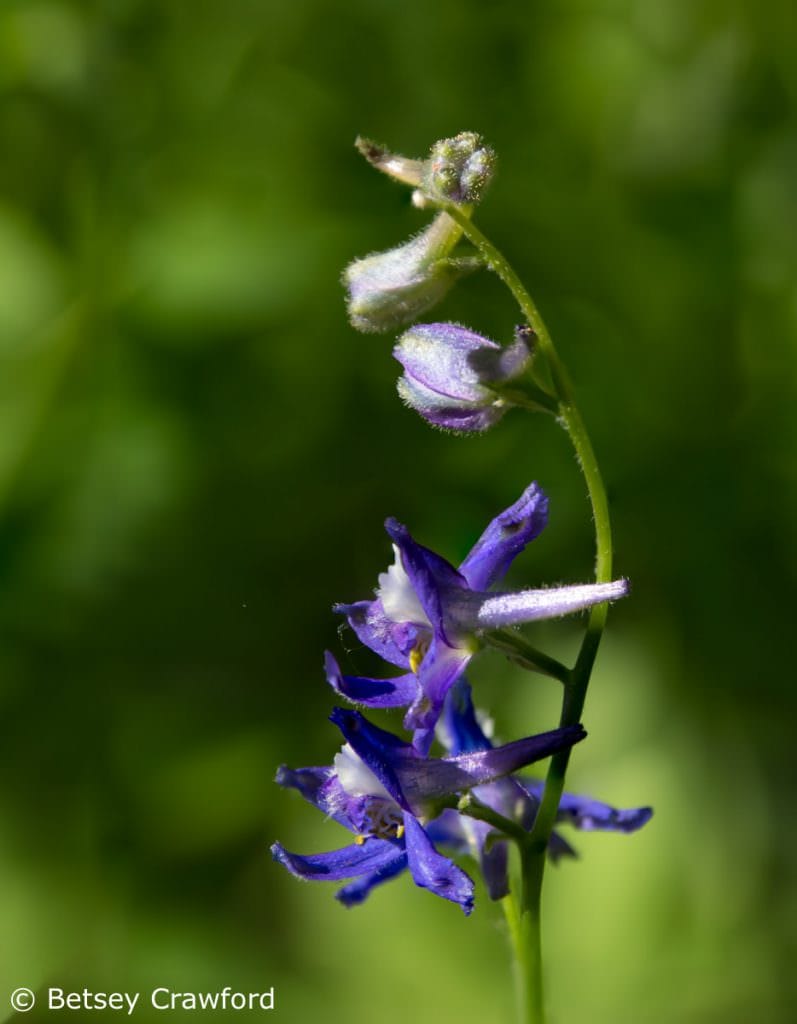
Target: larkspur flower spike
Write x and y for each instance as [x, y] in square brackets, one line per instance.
[429, 619]
[452, 376]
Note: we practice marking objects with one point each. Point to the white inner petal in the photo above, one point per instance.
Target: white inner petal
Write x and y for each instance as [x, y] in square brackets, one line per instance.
[355, 776]
[397, 595]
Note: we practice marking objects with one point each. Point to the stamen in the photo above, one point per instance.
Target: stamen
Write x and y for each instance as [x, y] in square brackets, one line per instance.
[384, 819]
[418, 653]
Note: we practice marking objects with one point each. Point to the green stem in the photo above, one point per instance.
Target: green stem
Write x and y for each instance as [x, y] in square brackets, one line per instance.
[523, 920]
[515, 647]
[474, 808]
[533, 850]
[511, 909]
[531, 983]
[533, 398]
[498, 263]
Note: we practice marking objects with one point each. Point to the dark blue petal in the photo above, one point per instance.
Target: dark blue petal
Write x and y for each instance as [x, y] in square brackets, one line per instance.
[430, 870]
[355, 892]
[320, 786]
[504, 539]
[308, 781]
[414, 781]
[494, 865]
[591, 815]
[462, 734]
[447, 829]
[373, 855]
[384, 753]
[378, 632]
[428, 778]
[430, 575]
[439, 670]
[372, 693]
[460, 725]
[559, 847]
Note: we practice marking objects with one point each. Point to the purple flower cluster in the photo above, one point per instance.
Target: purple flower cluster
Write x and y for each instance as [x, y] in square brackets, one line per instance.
[429, 619]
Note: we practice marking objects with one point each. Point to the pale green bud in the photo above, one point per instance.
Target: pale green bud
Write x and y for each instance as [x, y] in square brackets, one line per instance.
[459, 169]
[393, 288]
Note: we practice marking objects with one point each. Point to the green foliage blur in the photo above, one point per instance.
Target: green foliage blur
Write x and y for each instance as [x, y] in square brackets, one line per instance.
[197, 453]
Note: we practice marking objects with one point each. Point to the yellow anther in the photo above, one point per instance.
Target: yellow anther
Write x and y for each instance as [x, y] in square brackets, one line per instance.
[359, 840]
[399, 831]
[418, 653]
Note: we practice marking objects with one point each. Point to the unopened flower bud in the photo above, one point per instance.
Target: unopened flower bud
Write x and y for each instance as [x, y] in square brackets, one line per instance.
[393, 288]
[452, 375]
[459, 169]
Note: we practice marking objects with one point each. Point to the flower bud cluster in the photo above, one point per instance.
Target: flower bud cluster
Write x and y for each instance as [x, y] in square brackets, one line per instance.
[459, 169]
[392, 288]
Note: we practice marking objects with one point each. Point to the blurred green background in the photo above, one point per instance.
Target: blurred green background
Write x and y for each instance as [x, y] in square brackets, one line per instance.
[197, 453]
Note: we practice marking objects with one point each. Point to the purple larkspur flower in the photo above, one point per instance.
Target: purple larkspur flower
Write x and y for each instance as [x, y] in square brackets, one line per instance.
[451, 373]
[389, 795]
[518, 798]
[427, 617]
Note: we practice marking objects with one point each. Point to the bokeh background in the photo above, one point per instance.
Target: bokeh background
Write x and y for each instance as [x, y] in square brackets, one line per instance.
[197, 453]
